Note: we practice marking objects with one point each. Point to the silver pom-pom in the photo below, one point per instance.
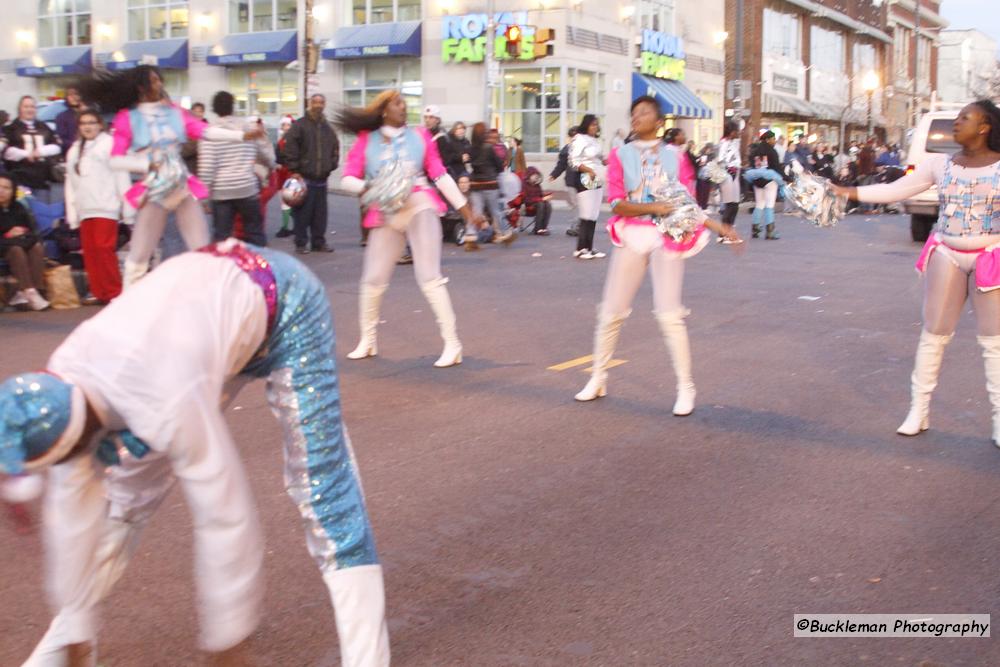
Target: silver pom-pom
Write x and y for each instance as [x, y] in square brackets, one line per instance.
[813, 198]
[686, 217]
[714, 173]
[390, 188]
[169, 174]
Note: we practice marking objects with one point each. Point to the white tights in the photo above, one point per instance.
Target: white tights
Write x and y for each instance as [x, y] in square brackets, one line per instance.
[946, 288]
[150, 222]
[386, 244]
[625, 275]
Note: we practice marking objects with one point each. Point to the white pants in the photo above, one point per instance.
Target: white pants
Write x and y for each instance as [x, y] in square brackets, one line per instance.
[386, 244]
[729, 190]
[588, 203]
[642, 249]
[151, 220]
[766, 196]
[947, 281]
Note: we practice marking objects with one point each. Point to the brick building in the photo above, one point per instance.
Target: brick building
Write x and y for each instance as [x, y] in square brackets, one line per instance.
[805, 62]
[915, 31]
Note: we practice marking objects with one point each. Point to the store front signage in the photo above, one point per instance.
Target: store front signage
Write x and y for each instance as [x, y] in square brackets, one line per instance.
[463, 38]
[785, 84]
[662, 55]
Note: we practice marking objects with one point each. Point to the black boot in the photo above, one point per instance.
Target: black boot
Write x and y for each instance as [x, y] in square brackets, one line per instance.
[729, 212]
[755, 231]
[771, 236]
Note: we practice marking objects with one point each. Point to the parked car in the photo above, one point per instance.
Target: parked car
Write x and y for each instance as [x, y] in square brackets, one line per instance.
[933, 134]
[47, 112]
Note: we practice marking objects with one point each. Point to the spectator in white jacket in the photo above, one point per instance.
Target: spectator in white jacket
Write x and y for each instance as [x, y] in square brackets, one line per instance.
[95, 203]
[227, 170]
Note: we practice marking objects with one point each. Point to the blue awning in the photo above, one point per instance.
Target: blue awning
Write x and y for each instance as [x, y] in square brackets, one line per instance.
[675, 98]
[375, 41]
[164, 53]
[279, 46]
[57, 61]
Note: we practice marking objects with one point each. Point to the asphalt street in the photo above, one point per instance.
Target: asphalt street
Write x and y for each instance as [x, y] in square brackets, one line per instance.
[518, 527]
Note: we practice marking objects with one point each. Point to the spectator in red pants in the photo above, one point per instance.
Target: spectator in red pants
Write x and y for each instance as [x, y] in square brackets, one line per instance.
[95, 202]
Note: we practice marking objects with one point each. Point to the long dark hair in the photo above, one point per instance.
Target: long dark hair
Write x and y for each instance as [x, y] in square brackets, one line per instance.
[81, 140]
[113, 91]
[13, 188]
[358, 119]
[992, 114]
[479, 133]
[586, 122]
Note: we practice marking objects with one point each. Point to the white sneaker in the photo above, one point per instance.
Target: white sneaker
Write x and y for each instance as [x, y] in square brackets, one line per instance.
[35, 300]
[587, 254]
[578, 253]
[597, 254]
[19, 299]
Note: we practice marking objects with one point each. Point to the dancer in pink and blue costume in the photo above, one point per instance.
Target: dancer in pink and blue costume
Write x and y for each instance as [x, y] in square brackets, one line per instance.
[961, 259]
[635, 172]
[132, 401]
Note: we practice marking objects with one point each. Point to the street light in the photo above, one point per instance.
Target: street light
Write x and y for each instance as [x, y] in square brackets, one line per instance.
[870, 82]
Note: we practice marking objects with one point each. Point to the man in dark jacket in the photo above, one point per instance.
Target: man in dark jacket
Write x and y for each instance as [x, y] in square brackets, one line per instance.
[312, 151]
[572, 176]
[66, 120]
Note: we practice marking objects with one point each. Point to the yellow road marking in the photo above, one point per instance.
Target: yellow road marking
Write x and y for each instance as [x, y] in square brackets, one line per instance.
[582, 361]
[579, 361]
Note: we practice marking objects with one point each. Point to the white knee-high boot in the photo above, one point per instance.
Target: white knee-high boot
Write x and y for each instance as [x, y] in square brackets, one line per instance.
[676, 338]
[358, 595]
[991, 361]
[605, 339]
[369, 303]
[133, 272]
[440, 302]
[926, 366]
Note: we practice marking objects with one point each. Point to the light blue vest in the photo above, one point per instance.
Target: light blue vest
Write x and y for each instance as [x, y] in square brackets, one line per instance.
[631, 159]
[141, 136]
[409, 146]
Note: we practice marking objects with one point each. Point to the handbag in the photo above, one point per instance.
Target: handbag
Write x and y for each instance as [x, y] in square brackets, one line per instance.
[60, 289]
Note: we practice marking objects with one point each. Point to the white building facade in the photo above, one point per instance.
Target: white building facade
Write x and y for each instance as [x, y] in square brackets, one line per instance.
[967, 65]
[432, 50]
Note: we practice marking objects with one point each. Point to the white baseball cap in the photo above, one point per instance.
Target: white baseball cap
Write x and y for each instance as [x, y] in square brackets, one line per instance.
[432, 110]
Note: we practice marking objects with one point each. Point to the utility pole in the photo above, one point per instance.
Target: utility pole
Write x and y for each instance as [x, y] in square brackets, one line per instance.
[916, 60]
[490, 61]
[307, 62]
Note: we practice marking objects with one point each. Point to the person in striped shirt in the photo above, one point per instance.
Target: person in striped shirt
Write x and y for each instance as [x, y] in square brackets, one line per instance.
[227, 170]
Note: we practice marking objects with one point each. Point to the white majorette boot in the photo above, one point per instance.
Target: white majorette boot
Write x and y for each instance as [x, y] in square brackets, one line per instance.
[605, 339]
[358, 595]
[675, 336]
[991, 360]
[440, 302]
[926, 366]
[132, 273]
[369, 303]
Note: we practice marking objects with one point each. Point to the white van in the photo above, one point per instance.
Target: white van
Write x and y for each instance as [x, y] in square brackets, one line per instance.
[933, 134]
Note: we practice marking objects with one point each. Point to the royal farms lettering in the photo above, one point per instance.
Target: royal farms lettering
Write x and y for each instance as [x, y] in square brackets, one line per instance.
[661, 55]
[463, 38]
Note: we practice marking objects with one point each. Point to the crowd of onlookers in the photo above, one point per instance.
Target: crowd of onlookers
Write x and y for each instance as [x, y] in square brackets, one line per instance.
[242, 178]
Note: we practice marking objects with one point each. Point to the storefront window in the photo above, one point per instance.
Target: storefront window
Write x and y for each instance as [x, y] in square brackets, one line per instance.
[782, 34]
[63, 22]
[157, 19]
[262, 15]
[384, 11]
[364, 80]
[657, 15]
[826, 50]
[530, 104]
[264, 91]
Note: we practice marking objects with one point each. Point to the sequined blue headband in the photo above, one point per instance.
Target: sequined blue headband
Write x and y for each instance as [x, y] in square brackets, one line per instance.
[41, 419]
